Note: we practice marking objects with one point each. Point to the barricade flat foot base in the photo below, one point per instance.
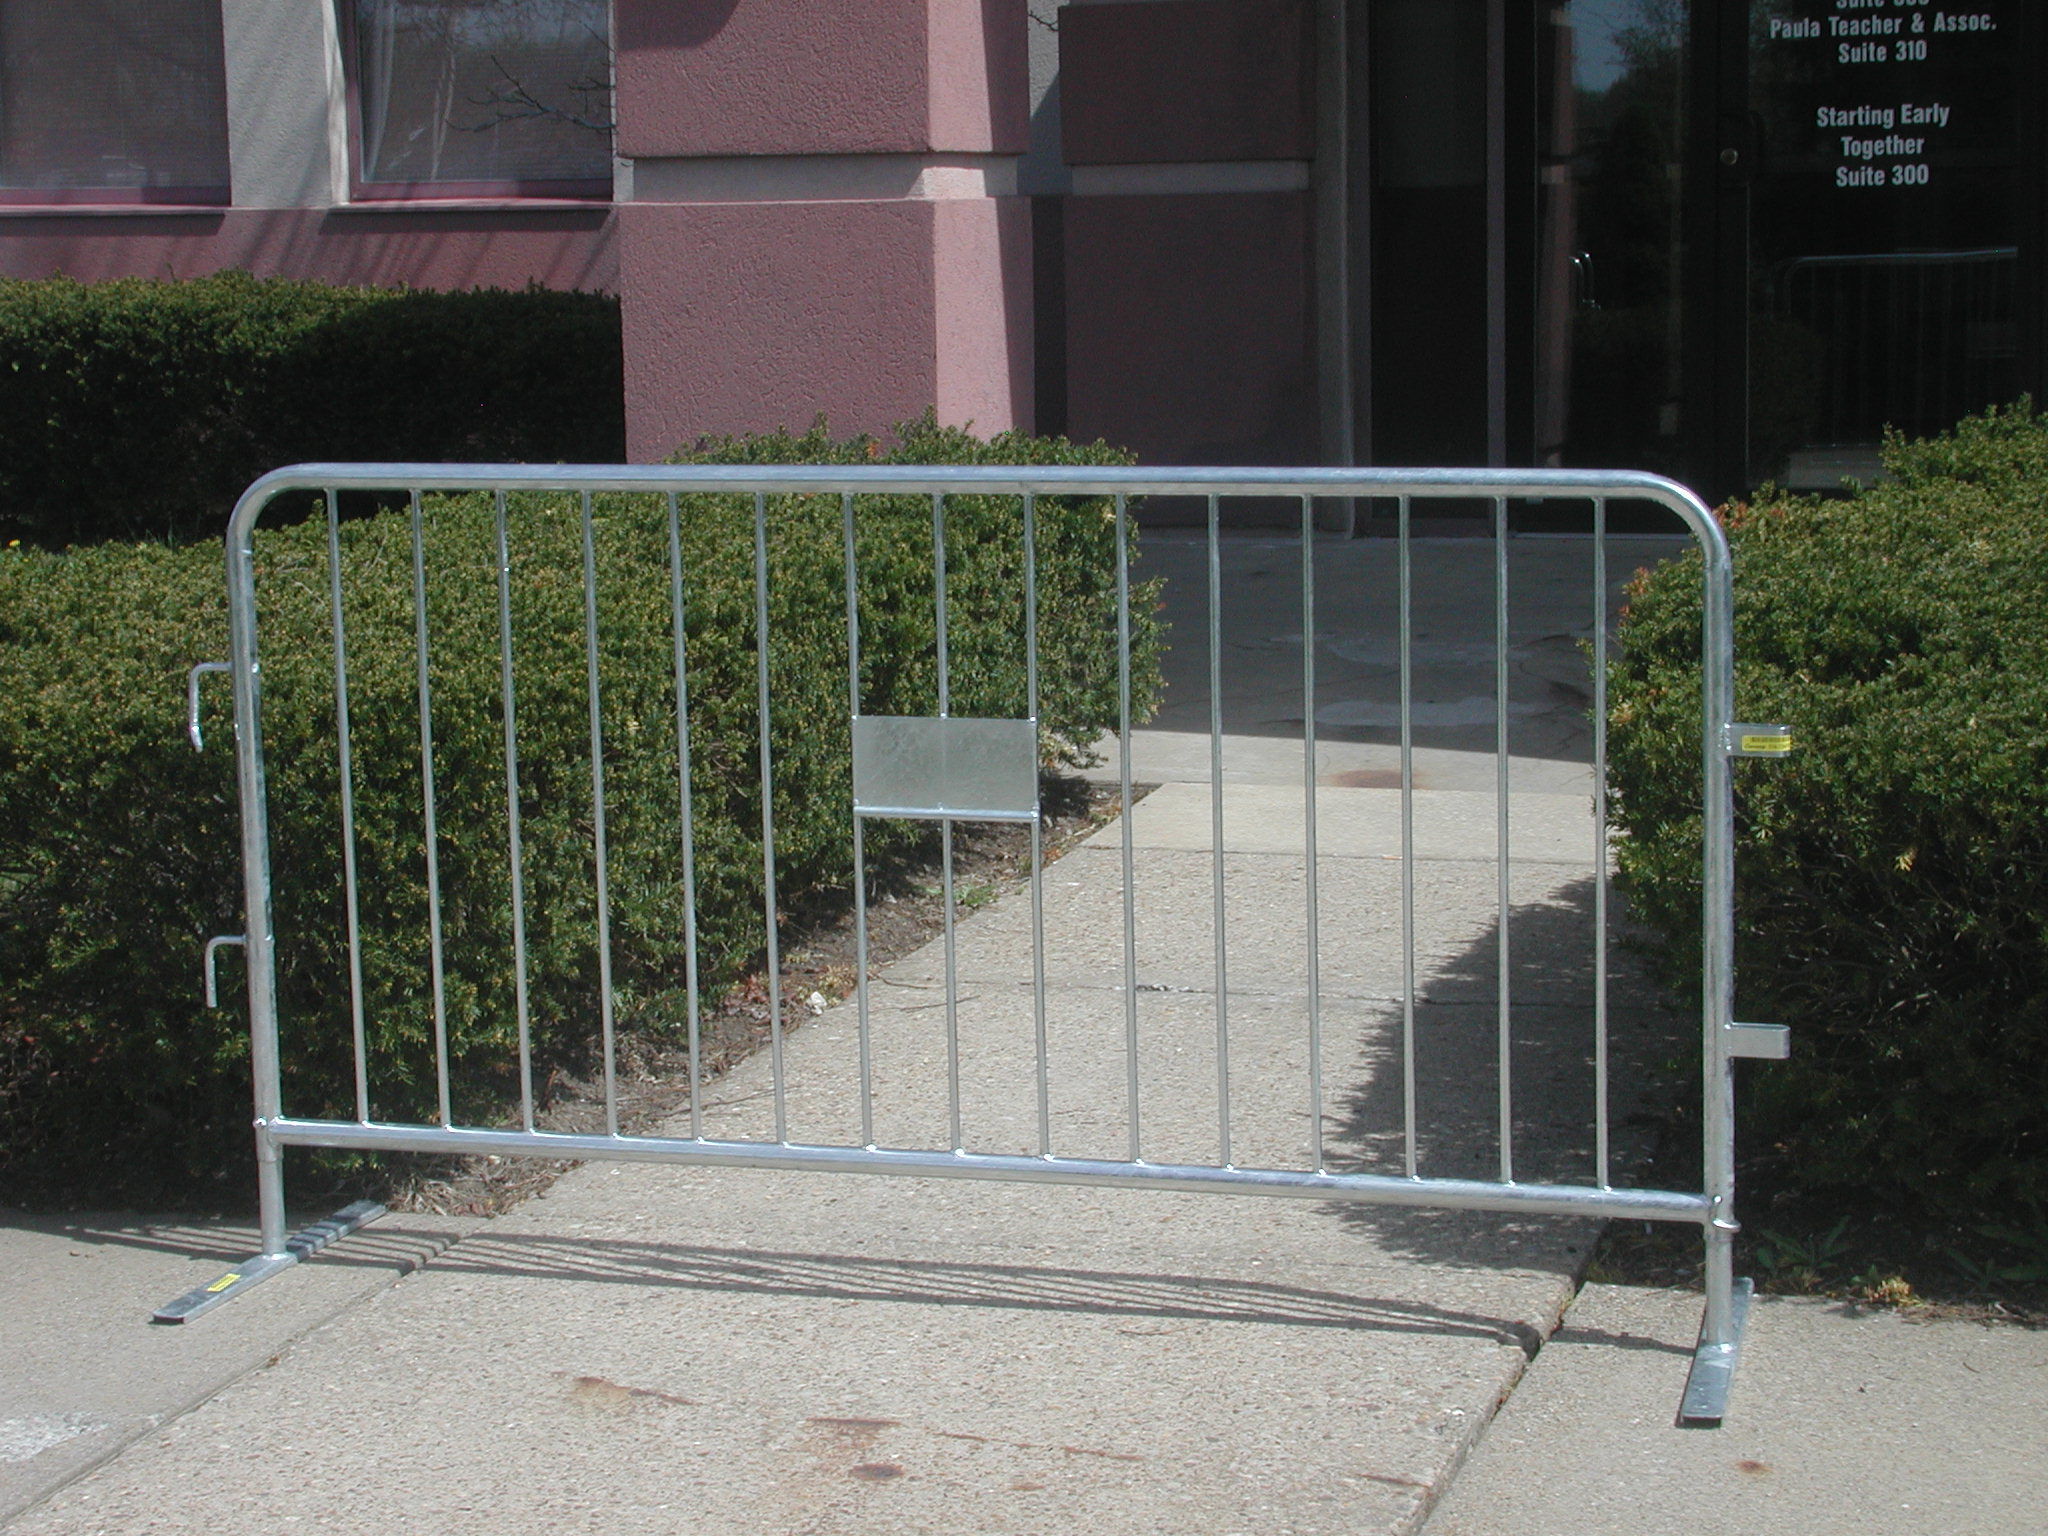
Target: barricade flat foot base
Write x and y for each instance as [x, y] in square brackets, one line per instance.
[1705, 1402]
[299, 1246]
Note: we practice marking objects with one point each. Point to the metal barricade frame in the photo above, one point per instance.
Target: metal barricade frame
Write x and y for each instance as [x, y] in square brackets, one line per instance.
[1722, 738]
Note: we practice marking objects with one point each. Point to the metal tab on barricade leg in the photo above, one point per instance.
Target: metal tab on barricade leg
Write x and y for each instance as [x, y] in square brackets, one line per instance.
[1759, 1042]
[1759, 740]
[1705, 1403]
[302, 1245]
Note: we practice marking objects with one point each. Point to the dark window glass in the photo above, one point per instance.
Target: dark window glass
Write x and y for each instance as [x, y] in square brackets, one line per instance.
[473, 95]
[1884, 224]
[122, 99]
[1612, 203]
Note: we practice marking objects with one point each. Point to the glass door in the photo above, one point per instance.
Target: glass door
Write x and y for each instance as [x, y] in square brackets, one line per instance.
[1770, 229]
[1887, 212]
[1612, 210]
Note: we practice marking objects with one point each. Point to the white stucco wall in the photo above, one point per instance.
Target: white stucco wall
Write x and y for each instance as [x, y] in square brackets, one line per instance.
[287, 126]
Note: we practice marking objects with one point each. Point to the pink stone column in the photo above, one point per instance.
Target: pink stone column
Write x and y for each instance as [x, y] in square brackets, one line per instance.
[822, 216]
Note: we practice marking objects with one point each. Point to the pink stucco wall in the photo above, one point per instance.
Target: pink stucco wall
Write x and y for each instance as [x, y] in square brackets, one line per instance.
[979, 75]
[981, 303]
[1186, 80]
[739, 315]
[572, 248]
[797, 77]
[1188, 326]
[745, 317]
[745, 312]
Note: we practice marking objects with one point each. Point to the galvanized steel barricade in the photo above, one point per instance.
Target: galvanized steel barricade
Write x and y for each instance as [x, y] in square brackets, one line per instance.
[950, 769]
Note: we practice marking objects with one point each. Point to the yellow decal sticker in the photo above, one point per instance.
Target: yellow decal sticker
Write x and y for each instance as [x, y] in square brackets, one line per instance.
[222, 1283]
[1767, 743]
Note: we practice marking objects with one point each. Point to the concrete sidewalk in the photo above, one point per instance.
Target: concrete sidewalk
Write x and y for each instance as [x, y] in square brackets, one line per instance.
[654, 1349]
[1846, 1422]
[83, 1376]
[1857, 1423]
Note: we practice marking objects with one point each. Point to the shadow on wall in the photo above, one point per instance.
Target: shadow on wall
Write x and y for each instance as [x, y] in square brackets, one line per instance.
[1006, 66]
[1653, 1055]
[671, 23]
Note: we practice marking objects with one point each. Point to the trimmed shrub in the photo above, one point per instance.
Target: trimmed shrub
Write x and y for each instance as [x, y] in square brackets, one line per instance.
[135, 409]
[118, 843]
[1892, 875]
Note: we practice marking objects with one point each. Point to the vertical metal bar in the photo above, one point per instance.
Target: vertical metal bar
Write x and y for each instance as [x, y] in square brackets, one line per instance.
[1308, 802]
[1216, 831]
[1406, 556]
[1600, 1082]
[1037, 833]
[1497, 232]
[771, 905]
[261, 949]
[515, 848]
[602, 846]
[346, 768]
[678, 620]
[435, 959]
[946, 834]
[1717, 668]
[939, 603]
[1130, 886]
[860, 857]
[1501, 785]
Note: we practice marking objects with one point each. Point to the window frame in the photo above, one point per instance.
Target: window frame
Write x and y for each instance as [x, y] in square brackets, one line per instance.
[197, 198]
[142, 199]
[585, 190]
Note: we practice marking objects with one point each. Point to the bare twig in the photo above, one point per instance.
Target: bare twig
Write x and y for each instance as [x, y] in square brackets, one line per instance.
[515, 102]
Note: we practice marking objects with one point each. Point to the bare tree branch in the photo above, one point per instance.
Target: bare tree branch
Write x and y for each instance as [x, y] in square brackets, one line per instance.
[514, 102]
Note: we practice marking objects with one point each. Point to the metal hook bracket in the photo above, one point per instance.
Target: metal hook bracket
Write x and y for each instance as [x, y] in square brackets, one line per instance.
[212, 947]
[192, 700]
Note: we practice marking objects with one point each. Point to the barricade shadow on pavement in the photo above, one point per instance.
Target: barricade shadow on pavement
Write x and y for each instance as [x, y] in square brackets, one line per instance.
[1653, 1059]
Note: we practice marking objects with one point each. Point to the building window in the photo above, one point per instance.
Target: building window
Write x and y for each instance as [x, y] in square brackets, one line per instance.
[480, 98]
[112, 101]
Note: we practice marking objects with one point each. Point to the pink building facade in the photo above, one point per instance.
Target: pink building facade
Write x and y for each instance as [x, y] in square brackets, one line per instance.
[1688, 235]
[824, 214]
[859, 210]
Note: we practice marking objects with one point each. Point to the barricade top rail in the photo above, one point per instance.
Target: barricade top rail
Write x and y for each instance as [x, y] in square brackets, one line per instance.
[992, 479]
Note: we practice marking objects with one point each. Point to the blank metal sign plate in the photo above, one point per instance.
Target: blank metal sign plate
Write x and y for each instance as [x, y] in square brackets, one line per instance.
[930, 767]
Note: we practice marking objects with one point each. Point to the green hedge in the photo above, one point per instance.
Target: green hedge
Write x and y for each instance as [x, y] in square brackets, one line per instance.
[117, 842]
[136, 409]
[1892, 875]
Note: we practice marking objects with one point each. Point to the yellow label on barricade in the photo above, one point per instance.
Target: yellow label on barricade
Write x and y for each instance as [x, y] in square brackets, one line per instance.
[1751, 739]
[222, 1283]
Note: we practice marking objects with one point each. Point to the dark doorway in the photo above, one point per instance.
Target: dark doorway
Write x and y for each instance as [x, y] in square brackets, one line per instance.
[1785, 226]
[1430, 204]
[1614, 187]
[1889, 223]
